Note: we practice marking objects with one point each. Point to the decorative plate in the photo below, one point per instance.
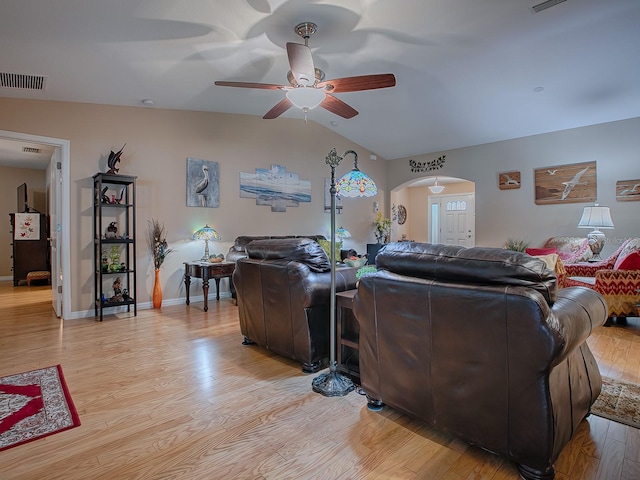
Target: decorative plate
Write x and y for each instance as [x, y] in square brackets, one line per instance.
[402, 214]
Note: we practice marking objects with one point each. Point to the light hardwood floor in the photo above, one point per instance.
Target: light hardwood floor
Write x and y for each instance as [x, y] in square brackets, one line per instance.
[173, 394]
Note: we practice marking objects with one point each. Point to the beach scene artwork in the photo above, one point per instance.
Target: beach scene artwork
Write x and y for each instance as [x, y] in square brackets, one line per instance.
[275, 187]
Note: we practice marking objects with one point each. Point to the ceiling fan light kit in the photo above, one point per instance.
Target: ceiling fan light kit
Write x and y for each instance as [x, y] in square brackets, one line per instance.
[306, 98]
[308, 89]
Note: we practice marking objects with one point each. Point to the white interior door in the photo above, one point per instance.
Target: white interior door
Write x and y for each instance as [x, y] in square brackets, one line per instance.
[452, 219]
[55, 207]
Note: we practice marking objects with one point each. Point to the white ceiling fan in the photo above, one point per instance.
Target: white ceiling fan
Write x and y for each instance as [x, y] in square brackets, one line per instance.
[307, 88]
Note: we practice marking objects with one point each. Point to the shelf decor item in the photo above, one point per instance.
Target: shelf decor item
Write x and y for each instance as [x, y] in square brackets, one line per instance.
[157, 241]
[355, 184]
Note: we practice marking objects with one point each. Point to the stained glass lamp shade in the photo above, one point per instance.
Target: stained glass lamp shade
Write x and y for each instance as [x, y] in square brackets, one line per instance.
[206, 233]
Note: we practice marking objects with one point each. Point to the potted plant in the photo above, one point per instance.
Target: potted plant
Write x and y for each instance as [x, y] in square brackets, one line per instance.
[516, 245]
[382, 228]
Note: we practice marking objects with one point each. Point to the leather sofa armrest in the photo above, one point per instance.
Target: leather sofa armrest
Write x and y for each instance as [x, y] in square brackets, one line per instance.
[573, 324]
[316, 286]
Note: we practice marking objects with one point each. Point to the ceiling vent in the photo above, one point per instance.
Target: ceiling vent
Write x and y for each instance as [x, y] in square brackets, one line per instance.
[19, 80]
[544, 5]
[30, 150]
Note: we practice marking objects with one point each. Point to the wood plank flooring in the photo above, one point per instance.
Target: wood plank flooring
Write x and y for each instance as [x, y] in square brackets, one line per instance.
[173, 394]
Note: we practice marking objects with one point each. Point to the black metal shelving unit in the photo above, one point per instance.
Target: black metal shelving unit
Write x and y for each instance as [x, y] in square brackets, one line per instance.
[114, 198]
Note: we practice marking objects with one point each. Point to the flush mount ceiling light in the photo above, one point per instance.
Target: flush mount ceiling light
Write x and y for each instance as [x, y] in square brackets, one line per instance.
[436, 187]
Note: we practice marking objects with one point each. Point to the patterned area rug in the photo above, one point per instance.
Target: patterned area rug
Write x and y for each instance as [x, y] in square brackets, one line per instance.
[34, 405]
[619, 401]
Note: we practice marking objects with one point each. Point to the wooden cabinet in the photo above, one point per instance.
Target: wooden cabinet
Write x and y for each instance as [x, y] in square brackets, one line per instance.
[30, 244]
[114, 234]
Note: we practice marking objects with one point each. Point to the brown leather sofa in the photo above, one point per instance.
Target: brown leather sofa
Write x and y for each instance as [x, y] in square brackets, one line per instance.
[480, 342]
[239, 249]
[284, 293]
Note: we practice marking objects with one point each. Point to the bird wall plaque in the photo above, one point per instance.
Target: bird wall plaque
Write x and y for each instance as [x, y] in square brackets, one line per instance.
[572, 183]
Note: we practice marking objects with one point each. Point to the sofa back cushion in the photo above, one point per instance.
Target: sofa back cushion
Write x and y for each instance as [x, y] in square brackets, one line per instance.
[303, 250]
[476, 265]
[241, 242]
[629, 257]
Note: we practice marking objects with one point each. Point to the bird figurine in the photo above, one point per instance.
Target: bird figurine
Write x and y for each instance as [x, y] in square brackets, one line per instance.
[104, 196]
[202, 185]
[113, 160]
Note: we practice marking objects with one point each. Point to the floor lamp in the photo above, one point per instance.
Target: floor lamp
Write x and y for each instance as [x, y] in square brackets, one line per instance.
[353, 184]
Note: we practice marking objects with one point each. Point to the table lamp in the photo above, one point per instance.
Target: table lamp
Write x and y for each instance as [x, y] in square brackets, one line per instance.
[596, 217]
[206, 233]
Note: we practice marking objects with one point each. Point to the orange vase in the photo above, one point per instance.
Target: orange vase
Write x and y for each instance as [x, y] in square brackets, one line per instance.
[157, 291]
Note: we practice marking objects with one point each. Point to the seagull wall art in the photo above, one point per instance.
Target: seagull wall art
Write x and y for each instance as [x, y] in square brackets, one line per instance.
[568, 186]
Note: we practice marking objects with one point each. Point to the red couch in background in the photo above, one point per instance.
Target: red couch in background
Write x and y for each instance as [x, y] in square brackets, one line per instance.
[616, 278]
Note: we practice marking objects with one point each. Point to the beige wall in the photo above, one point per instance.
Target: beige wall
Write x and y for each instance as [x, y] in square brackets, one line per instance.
[159, 141]
[10, 178]
[158, 144]
[501, 214]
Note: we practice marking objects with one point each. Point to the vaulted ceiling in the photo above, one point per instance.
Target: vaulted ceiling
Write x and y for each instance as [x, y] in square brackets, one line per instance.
[468, 71]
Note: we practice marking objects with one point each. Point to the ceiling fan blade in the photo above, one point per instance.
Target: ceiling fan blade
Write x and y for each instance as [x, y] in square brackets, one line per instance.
[301, 63]
[337, 106]
[357, 84]
[264, 86]
[281, 107]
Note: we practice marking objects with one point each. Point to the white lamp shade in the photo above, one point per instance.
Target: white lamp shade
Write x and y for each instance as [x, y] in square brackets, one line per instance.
[305, 98]
[596, 217]
[436, 187]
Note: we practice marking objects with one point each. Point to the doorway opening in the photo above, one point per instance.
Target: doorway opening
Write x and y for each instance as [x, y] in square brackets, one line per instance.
[57, 172]
[447, 216]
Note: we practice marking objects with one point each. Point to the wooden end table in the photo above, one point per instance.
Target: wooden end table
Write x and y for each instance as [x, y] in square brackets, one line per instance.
[206, 271]
[347, 333]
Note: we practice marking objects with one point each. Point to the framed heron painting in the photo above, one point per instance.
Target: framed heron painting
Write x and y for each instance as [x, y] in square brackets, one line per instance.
[203, 183]
[573, 183]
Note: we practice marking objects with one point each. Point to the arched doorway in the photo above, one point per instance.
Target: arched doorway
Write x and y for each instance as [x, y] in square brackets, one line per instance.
[446, 216]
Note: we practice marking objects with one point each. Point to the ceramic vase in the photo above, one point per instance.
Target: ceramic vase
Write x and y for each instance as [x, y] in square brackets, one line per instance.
[157, 291]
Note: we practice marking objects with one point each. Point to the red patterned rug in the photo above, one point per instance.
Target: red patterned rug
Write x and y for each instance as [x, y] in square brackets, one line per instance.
[619, 401]
[34, 405]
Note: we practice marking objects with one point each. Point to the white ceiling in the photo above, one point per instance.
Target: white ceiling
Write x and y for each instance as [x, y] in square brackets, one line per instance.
[467, 71]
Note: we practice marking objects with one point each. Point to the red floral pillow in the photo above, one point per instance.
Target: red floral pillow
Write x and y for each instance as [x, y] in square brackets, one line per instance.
[630, 262]
[541, 251]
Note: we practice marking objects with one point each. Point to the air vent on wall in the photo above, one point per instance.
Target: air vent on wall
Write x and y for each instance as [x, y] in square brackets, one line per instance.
[544, 5]
[19, 80]
[30, 150]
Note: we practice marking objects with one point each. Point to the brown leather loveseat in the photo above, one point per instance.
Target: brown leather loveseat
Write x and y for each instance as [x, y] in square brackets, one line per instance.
[480, 342]
[284, 294]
